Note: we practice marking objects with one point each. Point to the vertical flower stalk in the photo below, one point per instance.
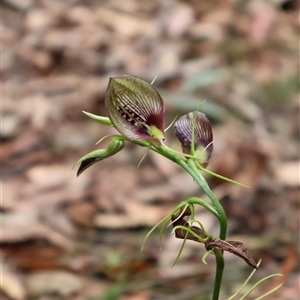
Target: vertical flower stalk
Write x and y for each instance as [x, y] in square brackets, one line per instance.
[136, 109]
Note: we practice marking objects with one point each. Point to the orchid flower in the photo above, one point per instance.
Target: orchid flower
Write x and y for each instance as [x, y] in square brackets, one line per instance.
[135, 109]
[194, 132]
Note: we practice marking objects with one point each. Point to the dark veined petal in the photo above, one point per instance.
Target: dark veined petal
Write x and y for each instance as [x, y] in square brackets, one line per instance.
[135, 109]
[203, 135]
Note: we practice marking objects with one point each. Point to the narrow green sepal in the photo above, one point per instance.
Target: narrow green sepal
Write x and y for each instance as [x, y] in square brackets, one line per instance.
[99, 119]
[91, 158]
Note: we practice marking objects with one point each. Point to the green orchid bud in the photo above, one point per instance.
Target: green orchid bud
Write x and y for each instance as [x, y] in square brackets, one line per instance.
[136, 109]
[91, 158]
[193, 130]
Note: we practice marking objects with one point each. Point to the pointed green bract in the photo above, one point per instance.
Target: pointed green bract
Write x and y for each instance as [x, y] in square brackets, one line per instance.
[135, 109]
[99, 119]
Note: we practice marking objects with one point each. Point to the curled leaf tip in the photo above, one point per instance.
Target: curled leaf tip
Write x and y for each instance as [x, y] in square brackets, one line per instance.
[195, 129]
[135, 108]
[91, 158]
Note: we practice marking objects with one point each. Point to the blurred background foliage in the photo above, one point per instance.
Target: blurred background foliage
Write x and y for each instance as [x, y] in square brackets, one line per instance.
[79, 238]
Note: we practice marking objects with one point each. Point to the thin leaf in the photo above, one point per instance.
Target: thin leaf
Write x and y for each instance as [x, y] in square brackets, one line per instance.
[99, 119]
[115, 145]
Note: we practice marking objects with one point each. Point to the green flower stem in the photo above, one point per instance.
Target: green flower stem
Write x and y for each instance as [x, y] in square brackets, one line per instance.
[220, 264]
[205, 204]
[219, 208]
[191, 168]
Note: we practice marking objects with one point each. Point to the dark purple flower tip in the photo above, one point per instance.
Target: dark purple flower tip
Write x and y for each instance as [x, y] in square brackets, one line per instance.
[135, 108]
[203, 136]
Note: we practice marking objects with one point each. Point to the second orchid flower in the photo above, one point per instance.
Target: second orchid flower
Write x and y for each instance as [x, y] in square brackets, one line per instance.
[194, 132]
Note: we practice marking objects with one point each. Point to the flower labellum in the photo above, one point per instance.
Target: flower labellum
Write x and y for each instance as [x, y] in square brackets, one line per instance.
[136, 109]
[203, 136]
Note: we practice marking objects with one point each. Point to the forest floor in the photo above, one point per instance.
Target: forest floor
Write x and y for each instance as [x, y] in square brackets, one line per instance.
[68, 237]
